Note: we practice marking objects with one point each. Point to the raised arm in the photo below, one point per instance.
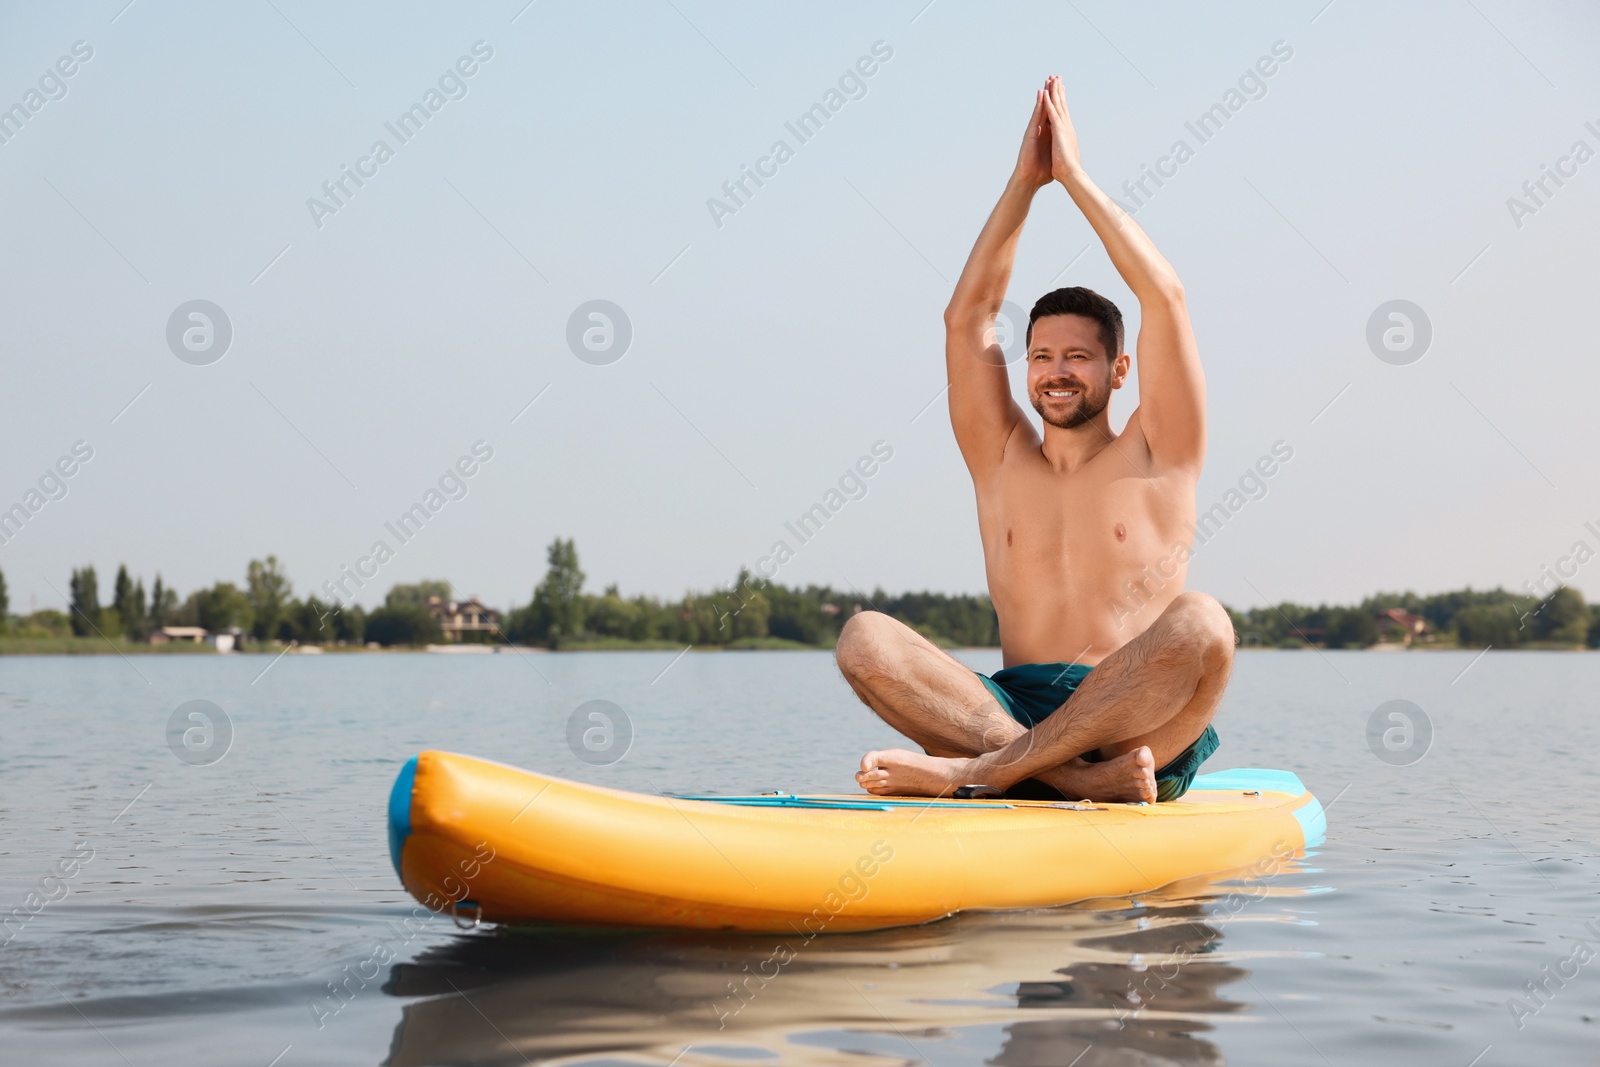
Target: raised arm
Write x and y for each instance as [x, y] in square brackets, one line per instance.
[981, 408]
[1172, 388]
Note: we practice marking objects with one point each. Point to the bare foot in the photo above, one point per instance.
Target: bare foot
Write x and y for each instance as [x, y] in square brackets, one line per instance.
[895, 772]
[1126, 779]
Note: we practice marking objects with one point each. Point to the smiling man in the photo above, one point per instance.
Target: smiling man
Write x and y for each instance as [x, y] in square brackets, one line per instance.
[1112, 672]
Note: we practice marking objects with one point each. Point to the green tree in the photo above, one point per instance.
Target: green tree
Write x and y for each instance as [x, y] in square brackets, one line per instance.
[313, 622]
[1351, 628]
[742, 612]
[403, 626]
[127, 599]
[46, 622]
[811, 616]
[5, 603]
[219, 608]
[1489, 626]
[349, 624]
[1562, 617]
[85, 601]
[611, 616]
[558, 600]
[141, 629]
[163, 605]
[418, 594]
[269, 590]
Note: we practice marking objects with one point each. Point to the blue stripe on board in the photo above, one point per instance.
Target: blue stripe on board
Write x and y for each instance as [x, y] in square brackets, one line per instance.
[842, 804]
[1313, 820]
[1244, 779]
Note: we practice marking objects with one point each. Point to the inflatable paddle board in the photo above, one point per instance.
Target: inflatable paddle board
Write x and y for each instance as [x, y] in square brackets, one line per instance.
[489, 842]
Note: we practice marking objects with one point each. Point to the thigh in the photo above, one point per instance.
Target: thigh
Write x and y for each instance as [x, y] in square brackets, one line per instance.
[1180, 662]
[920, 689]
[1169, 740]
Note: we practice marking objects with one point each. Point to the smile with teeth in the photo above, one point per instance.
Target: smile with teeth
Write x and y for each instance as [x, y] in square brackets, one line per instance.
[1061, 393]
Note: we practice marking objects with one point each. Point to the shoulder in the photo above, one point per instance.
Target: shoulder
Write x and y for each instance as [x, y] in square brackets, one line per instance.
[1136, 445]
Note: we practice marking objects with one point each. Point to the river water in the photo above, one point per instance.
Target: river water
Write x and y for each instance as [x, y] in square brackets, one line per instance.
[195, 912]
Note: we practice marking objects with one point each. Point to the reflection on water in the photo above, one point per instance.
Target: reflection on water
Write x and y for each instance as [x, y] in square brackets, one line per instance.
[1106, 982]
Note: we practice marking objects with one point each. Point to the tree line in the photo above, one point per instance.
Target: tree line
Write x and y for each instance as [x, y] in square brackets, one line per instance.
[263, 609]
[750, 612]
[1468, 618]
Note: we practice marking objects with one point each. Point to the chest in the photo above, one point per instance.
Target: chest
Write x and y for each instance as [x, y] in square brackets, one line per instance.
[1105, 513]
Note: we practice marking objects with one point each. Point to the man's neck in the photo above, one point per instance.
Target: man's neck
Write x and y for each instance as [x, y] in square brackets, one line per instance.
[1068, 450]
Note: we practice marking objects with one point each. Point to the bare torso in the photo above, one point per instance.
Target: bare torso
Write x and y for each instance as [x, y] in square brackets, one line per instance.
[1081, 562]
[1085, 533]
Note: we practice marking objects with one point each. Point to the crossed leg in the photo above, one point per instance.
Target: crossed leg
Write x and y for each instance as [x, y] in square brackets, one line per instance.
[1137, 710]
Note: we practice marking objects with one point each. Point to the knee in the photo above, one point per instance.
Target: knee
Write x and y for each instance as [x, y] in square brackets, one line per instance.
[1203, 622]
[862, 651]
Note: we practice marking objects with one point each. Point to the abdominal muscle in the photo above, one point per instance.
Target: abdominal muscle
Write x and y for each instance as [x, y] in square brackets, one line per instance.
[1079, 564]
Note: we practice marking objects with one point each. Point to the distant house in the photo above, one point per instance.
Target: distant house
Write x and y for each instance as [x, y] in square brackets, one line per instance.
[1412, 626]
[464, 620]
[226, 641]
[169, 634]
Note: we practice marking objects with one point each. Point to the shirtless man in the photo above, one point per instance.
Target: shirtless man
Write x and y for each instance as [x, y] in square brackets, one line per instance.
[1085, 535]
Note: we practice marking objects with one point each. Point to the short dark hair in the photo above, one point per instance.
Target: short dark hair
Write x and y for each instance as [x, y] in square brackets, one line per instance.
[1088, 303]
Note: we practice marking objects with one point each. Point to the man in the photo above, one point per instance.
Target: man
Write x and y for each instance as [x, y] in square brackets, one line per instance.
[1085, 535]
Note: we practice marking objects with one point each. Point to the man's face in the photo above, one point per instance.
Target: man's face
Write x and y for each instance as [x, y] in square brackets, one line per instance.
[1070, 376]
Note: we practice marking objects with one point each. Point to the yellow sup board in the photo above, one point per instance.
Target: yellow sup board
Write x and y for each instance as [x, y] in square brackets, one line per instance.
[494, 843]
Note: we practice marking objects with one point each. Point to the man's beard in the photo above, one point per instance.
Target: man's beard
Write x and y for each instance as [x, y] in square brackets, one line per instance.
[1089, 405]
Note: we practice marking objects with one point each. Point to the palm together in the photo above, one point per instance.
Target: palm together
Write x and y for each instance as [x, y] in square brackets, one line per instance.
[1050, 147]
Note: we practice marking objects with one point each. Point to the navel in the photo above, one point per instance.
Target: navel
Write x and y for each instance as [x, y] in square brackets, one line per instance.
[1122, 532]
[1008, 538]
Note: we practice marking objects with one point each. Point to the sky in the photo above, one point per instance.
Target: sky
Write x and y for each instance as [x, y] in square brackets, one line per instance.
[383, 339]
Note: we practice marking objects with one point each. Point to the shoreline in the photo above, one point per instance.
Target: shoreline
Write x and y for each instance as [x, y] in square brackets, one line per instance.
[94, 646]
